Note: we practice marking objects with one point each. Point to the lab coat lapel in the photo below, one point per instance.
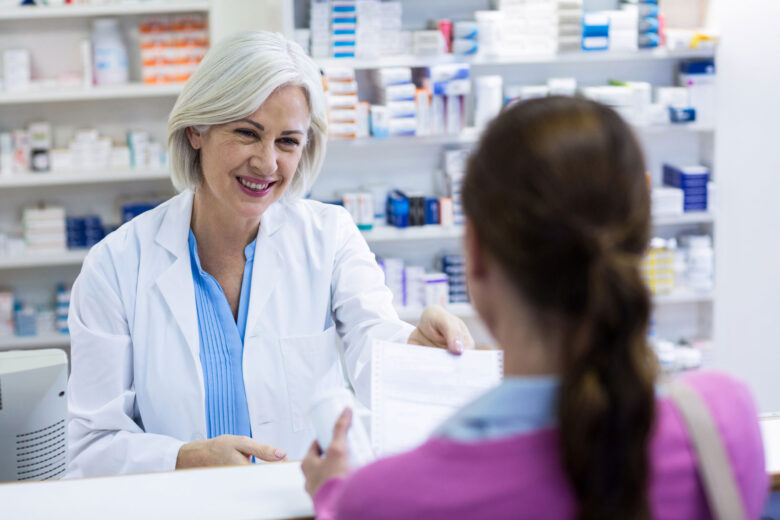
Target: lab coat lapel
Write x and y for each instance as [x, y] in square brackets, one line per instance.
[267, 267]
[175, 282]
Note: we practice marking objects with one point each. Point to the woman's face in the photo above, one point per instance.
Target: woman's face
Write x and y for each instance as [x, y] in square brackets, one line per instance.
[248, 164]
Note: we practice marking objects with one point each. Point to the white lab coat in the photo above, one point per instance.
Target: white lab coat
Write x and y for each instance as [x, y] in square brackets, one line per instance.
[136, 391]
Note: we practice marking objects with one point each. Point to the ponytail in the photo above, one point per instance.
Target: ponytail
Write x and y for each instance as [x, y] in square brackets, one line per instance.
[606, 400]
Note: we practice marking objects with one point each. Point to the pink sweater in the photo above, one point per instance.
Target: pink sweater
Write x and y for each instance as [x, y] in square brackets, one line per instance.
[521, 476]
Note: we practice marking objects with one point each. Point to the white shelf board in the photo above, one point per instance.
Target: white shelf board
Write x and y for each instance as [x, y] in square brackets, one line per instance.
[461, 310]
[692, 217]
[48, 259]
[565, 57]
[430, 232]
[31, 342]
[684, 295]
[471, 135]
[95, 177]
[86, 11]
[128, 91]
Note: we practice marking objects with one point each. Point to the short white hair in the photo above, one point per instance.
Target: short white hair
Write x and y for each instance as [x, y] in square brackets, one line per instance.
[235, 77]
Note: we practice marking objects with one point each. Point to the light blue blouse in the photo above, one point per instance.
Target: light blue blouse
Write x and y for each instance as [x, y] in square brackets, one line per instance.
[222, 347]
[518, 405]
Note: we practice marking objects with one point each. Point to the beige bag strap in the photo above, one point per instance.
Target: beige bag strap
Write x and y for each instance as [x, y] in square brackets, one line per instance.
[715, 471]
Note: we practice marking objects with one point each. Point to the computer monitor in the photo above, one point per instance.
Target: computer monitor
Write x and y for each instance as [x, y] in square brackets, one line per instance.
[33, 413]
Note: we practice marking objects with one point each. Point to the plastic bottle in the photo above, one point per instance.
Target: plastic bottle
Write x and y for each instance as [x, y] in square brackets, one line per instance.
[110, 53]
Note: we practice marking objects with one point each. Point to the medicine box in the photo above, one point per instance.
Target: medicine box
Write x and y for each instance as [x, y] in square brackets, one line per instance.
[693, 181]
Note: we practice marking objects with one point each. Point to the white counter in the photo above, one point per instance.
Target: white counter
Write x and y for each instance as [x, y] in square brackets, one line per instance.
[259, 491]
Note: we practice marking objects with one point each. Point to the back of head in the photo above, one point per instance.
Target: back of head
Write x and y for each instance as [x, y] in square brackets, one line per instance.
[556, 193]
[235, 77]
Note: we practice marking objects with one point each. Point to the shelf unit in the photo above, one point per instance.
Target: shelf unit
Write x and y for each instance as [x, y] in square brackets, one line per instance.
[90, 11]
[377, 235]
[461, 310]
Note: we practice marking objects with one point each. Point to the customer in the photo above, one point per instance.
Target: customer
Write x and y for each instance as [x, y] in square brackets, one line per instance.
[558, 218]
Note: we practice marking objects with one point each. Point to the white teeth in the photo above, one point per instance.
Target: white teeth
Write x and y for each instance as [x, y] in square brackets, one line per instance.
[252, 185]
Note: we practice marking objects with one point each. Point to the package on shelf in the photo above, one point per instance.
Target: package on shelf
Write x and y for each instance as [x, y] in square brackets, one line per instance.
[46, 320]
[21, 151]
[658, 266]
[436, 289]
[40, 146]
[392, 40]
[698, 77]
[515, 93]
[343, 24]
[454, 266]
[465, 37]
[143, 151]
[700, 266]
[649, 28]
[379, 194]
[6, 153]
[368, 37]
[414, 286]
[319, 25]
[132, 207]
[569, 25]
[528, 27]
[44, 228]
[449, 85]
[488, 98]
[62, 301]
[6, 313]
[361, 207]
[667, 201]
[454, 171]
[624, 29]
[341, 90]
[172, 47]
[16, 70]
[692, 180]
[84, 231]
[676, 357]
[25, 320]
[595, 31]
[394, 278]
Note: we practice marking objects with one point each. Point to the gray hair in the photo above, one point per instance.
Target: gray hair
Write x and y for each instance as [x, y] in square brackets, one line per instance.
[235, 77]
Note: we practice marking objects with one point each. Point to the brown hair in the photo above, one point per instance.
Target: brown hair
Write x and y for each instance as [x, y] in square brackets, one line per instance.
[556, 193]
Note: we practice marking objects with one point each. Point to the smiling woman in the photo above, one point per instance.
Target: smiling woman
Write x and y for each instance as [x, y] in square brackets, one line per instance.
[201, 329]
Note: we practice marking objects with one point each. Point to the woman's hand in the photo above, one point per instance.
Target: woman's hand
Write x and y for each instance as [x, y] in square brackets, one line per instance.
[439, 328]
[225, 450]
[318, 469]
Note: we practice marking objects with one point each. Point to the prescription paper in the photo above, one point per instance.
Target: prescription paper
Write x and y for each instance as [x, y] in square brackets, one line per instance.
[414, 389]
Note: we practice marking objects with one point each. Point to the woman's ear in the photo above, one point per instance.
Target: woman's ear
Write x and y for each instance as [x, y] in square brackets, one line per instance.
[194, 137]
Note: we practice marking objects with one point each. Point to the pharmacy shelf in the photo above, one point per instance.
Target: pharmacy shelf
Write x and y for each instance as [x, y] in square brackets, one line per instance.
[466, 310]
[88, 11]
[129, 91]
[32, 342]
[70, 178]
[48, 259]
[431, 232]
[477, 61]
[693, 217]
[684, 296]
[471, 135]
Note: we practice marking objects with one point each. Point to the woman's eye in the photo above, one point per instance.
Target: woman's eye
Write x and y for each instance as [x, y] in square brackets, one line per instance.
[289, 141]
[245, 132]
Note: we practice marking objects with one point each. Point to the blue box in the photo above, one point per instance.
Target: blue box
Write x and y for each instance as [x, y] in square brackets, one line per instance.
[431, 210]
[398, 209]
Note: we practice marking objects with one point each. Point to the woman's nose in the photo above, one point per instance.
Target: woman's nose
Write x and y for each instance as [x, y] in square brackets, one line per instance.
[263, 160]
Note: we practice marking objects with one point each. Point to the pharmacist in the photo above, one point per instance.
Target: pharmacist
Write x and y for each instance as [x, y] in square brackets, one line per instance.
[201, 329]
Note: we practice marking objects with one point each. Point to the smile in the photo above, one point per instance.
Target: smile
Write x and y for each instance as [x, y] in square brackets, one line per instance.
[253, 185]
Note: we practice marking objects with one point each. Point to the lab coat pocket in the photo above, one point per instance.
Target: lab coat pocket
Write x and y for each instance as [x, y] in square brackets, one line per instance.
[311, 365]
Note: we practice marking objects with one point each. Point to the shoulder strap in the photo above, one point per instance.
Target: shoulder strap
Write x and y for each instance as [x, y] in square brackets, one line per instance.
[715, 471]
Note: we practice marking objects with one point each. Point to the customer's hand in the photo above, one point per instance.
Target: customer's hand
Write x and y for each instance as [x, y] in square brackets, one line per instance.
[439, 328]
[318, 469]
[225, 450]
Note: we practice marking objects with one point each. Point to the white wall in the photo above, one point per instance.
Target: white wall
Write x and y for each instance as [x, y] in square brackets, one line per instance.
[747, 157]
